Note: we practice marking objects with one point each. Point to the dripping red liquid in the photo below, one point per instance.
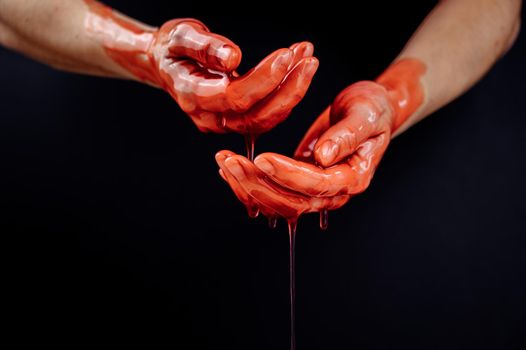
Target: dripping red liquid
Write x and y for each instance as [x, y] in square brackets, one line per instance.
[250, 140]
[292, 223]
[253, 210]
[324, 219]
[272, 222]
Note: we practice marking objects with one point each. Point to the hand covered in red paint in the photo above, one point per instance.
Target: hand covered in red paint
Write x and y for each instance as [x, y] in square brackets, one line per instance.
[339, 154]
[347, 140]
[197, 68]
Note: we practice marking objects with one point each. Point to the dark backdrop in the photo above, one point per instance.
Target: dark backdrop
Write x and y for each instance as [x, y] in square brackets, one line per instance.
[117, 229]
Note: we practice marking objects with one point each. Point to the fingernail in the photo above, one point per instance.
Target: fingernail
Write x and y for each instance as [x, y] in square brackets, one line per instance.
[327, 152]
[311, 67]
[220, 157]
[309, 49]
[285, 57]
[265, 166]
[235, 168]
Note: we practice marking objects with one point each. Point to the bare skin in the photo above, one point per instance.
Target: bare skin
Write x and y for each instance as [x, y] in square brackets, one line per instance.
[452, 49]
[195, 66]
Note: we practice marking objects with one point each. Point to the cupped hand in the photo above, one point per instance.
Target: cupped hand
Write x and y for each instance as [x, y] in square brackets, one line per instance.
[335, 160]
[198, 68]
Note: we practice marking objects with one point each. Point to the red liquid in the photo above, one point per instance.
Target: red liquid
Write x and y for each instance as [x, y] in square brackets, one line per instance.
[324, 219]
[272, 222]
[253, 211]
[250, 140]
[292, 223]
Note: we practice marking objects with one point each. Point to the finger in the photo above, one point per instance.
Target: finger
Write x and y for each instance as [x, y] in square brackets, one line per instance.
[251, 203]
[259, 81]
[245, 187]
[190, 38]
[303, 177]
[318, 204]
[295, 175]
[222, 174]
[305, 149]
[342, 139]
[221, 156]
[194, 88]
[277, 106]
[301, 50]
[355, 117]
[240, 193]
[343, 179]
[253, 181]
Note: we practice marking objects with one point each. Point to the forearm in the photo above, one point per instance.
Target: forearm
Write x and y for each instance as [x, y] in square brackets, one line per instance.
[56, 32]
[457, 44]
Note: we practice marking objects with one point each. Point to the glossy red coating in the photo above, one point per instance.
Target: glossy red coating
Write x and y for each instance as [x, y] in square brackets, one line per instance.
[339, 154]
[197, 68]
[402, 81]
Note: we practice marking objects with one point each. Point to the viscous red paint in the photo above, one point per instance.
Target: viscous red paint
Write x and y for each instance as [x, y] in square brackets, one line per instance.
[197, 68]
[340, 152]
[402, 81]
[335, 160]
[292, 225]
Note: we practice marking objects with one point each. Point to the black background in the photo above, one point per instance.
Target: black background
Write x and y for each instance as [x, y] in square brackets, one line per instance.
[117, 229]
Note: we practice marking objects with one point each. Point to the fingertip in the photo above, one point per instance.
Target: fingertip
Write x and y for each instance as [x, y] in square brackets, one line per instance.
[230, 57]
[302, 49]
[309, 49]
[260, 81]
[223, 155]
[326, 153]
[304, 71]
[311, 66]
[283, 59]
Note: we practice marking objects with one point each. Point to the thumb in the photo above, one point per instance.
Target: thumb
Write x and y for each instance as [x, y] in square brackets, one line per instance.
[190, 38]
[357, 114]
[343, 138]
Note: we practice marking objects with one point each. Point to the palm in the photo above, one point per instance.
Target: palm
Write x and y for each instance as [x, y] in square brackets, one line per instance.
[289, 187]
[202, 79]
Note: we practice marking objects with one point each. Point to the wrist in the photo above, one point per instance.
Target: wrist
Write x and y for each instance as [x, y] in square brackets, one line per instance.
[404, 89]
[137, 59]
[127, 42]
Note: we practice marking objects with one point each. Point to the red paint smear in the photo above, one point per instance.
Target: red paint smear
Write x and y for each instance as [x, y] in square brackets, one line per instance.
[196, 68]
[292, 224]
[137, 63]
[402, 81]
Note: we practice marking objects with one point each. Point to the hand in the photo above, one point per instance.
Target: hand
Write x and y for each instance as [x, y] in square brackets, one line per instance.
[348, 140]
[339, 154]
[197, 68]
[201, 78]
